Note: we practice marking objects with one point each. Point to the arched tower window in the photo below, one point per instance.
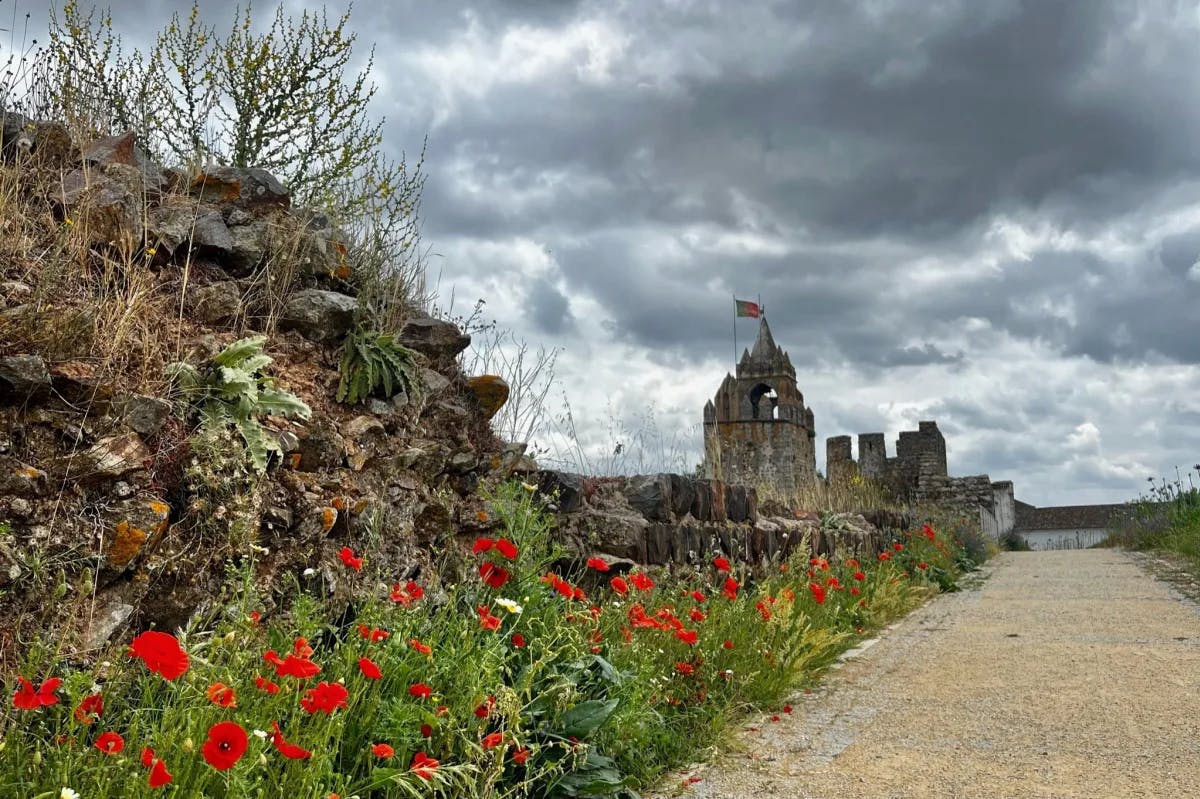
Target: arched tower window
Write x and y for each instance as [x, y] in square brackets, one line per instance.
[760, 409]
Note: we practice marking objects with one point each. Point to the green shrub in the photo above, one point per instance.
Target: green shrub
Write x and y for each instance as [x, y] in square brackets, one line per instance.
[231, 391]
[373, 364]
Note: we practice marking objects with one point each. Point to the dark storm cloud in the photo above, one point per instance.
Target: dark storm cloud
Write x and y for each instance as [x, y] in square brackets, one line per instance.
[1001, 196]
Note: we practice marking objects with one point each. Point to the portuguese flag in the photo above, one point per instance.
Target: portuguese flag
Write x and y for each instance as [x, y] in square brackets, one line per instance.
[747, 308]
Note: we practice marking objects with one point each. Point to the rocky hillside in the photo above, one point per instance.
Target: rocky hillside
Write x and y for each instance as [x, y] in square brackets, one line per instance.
[119, 506]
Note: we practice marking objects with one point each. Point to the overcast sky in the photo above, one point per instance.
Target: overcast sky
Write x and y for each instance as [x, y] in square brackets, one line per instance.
[984, 212]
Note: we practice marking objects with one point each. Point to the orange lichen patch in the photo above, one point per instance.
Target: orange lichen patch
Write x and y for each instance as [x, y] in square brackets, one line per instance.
[359, 507]
[214, 188]
[294, 459]
[159, 507]
[339, 504]
[328, 518]
[126, 544]
[481, 516]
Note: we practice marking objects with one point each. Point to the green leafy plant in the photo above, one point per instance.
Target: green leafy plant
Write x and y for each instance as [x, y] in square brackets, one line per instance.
[375, 365]
[232, 391]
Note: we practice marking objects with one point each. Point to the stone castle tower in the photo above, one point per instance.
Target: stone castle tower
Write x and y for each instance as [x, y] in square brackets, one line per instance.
[757, 431]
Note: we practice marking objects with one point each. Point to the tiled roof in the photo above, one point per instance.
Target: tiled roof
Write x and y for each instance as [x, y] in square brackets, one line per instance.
[1065, 517]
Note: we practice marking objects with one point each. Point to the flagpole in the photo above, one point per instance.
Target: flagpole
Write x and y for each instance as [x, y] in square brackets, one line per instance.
[735, 333]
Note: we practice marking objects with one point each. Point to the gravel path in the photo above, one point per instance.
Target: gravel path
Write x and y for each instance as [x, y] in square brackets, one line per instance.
[1062, 674]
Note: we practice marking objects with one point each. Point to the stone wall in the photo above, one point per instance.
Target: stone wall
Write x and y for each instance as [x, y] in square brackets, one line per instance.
[674, 519]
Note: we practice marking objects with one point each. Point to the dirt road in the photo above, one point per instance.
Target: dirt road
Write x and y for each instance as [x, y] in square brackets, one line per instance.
[1062, 674]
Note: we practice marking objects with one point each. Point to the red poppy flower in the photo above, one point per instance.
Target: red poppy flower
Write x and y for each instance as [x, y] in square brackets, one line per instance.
[225, 745]
[221, 695]
[410, 593]
[763, 610]
[290, 751]
[90, 709]
[641, 582]
[26, 698]
[369, 669]
[424, 649]
[483, 545]
[485, 710]
[506, 548]
[347, 556]
[728, 644]
[486, 620]
[423, 765]
[147, 756]
[161, 653]
[495, 576]
[263, 684]
[292, 665]
[860, 576]
[855, 592]
[722, 564]
[684, 668]
[520, 754]
[255, 618]
[898, 546]
[922, 565]
[619, 585]
[885, 556]
[818, 593]
[697, 615]
[325, 697]
[159, 776]
[833, 583]
[730, 588]
[928, 532]
[426, 731]
[372, 634]
[518, 641]
[699, 597]
[687, 636]
[420, 691]
[382, 750]
[598, 564]
[110, 743]
[787, 708]
[492, 740]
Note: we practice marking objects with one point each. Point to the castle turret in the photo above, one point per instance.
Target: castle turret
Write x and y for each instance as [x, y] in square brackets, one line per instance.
[757, 431]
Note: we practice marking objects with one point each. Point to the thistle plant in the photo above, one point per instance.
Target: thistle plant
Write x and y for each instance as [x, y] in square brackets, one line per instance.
[232, 391]
[375, 365]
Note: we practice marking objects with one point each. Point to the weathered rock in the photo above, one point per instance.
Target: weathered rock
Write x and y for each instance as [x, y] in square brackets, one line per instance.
[490, 392]
[439, 340]
[14, 292]
[43, 143]
[251, 243]
[622, 535]
[218, 303]
[125, 150]
[362, 434]
[564, 488]
[21, 479]
[247, 186]
[651, 496]
[23, 378]
[111, 458]
[107, 618]
[179, 221]
[144, 415]
[709, 505]
[741, 504]
[80, 382]
[131, 526]
[107, 211]
[462, 462]
[278, 518]
[433, 381]
[319, 315]
[683, 494]
[323, 448]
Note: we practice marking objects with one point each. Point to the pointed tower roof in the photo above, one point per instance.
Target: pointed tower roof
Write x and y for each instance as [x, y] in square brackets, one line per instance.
[765, 348]
[767, 357]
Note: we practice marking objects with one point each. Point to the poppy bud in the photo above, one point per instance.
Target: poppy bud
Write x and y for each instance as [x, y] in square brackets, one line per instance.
[188, 745]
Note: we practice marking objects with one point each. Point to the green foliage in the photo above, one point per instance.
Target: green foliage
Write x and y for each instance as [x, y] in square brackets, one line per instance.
[373, 364]
[583, 706]
[231, 391]
[1166, 517]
